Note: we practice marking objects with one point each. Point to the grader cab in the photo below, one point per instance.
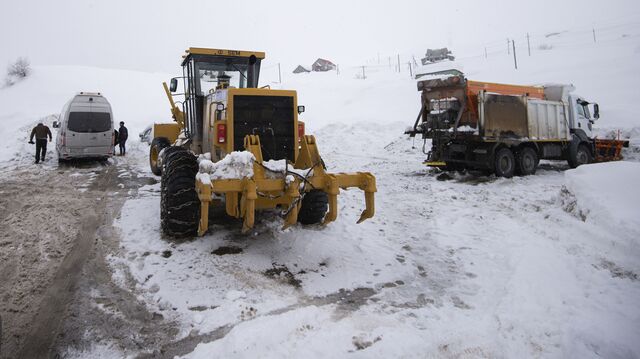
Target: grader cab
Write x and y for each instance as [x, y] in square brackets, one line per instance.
[241, 147]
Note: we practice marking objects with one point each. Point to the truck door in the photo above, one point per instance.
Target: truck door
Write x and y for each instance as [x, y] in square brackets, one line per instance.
[582, 117]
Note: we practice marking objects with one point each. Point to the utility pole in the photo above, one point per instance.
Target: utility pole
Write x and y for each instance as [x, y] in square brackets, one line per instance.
[485, 52]
[594, 35]
[528, 44]
[279, 74]
[508, 46]
[410, 69]
[398, 63]
[515, 60]
[363, 74]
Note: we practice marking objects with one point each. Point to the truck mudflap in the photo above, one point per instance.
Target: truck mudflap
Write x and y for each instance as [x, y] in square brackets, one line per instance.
[609, 150]
[244, 196]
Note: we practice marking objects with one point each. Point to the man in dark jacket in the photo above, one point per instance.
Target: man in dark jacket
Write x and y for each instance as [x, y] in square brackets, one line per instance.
[41, 132]
[123, 134]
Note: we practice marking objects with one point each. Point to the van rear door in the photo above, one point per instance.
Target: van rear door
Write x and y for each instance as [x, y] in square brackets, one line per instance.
[89, 129]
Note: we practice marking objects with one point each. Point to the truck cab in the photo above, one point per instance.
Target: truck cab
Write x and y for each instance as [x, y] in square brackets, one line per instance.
[581, 118]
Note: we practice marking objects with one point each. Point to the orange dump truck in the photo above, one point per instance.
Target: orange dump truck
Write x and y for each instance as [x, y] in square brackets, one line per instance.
[506, 129]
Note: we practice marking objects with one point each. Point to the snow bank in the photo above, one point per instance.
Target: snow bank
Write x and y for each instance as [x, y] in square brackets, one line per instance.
[236, 165]
[607, 193]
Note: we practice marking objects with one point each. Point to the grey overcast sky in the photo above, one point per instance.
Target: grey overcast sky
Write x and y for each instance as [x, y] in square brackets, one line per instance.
[151, 35]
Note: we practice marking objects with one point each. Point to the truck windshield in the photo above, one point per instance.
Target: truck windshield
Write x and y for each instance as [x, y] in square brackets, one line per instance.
[89, 122]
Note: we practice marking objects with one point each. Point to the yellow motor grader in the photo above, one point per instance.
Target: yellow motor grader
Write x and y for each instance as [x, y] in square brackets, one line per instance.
[222, 114]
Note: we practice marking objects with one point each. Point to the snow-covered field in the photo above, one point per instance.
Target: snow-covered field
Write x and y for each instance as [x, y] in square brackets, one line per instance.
[459, 266]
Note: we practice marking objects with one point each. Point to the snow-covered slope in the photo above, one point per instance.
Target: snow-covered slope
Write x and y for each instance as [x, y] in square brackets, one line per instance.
[461, 267]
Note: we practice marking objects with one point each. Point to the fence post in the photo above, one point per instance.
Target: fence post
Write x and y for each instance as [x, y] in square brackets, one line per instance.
[528, 44]
[279, 74]
[515, 60]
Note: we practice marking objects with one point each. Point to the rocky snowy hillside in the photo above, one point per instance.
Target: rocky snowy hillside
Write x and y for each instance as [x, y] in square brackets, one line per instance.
[451, 266]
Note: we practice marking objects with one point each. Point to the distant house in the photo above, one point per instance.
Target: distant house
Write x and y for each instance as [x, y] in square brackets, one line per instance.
[300, 69]
[322, 65]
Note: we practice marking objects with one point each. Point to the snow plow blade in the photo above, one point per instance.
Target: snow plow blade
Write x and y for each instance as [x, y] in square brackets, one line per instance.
[609, 150]
[242, 197]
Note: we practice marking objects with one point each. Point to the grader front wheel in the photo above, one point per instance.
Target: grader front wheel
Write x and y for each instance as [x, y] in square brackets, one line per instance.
[180, 212]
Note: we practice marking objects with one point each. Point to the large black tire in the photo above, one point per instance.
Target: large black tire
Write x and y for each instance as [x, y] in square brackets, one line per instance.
[157, 145]
[180, 206]
[314, 207]
[580, 156]
[167, 155]
[505, 163]
[526, 161]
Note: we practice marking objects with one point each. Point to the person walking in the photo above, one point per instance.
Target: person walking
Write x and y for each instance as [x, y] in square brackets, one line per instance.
[123, 134]
[41, 133]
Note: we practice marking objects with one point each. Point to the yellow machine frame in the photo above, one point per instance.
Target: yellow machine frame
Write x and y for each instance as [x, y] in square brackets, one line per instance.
[244, 196]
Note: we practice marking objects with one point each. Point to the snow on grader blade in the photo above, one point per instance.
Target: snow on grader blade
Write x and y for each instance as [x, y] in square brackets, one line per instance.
[244, 196]
[227, 123]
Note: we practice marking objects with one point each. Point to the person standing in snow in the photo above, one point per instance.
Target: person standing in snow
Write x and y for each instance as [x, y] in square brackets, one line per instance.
[123, 134]
[41, 132]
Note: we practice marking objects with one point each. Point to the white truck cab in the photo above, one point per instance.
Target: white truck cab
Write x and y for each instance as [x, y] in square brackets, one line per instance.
[85, 127]
[580, 114]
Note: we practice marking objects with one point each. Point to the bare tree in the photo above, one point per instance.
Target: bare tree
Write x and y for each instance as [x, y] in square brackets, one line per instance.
[21, 68]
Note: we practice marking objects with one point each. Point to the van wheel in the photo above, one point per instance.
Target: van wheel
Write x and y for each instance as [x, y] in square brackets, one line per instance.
[180, 206]
[504, 163]
[157, 145]
[314, 207]
[581, 156]
[527, 162]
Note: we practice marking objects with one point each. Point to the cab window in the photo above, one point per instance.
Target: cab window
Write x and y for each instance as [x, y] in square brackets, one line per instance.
[580, 109]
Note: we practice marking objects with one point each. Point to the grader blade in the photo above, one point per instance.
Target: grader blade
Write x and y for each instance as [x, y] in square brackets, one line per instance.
[262, 192]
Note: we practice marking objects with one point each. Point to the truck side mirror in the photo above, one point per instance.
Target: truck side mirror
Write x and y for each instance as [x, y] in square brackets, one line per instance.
[300, 109]
[56, 124]
[174, 85]
[596, 111]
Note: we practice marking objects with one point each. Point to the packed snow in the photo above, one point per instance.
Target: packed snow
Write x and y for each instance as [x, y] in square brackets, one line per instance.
[236, 165]
[454, 265]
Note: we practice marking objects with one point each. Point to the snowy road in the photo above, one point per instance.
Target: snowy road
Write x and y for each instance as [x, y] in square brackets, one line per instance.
[452, 266]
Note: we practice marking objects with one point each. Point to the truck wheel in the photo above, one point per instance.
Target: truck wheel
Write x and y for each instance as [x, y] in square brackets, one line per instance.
[314, 206]
[581, 156]
[157, 145]
[180, 212]
[504, 163]
[527, 162]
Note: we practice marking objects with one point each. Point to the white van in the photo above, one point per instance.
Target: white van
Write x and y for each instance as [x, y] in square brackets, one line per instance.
[85, 128]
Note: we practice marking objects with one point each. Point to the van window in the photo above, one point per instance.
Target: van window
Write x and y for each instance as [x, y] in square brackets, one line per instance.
[89, 122]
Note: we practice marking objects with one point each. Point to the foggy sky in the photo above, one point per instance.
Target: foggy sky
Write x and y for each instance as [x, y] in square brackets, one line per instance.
[152, 35]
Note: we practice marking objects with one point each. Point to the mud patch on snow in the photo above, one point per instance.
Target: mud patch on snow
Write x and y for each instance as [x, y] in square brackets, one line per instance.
[283, 274]
[220, 251]
[617, 271]
[569, 204]
[362, 343]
